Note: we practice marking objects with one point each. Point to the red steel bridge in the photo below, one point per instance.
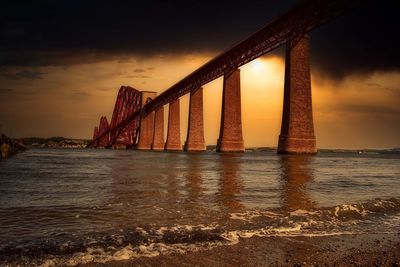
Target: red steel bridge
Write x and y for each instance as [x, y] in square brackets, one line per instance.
[107, 135]
[138, 116]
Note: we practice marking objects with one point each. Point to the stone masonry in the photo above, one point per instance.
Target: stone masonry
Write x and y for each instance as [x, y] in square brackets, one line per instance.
[158, 139]
[146, 123]
[230, 137]
[174, 134]
[195, 134]
[297, 130]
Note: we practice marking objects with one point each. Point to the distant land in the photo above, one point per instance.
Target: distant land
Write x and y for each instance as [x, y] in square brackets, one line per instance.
[325, 150]
[55, 142]
[63, 142]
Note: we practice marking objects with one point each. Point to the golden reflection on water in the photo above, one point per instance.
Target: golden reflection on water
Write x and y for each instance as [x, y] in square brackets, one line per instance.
[230, 183]
[192, 184]
[194, 179]
[296, 175]
[172, 183]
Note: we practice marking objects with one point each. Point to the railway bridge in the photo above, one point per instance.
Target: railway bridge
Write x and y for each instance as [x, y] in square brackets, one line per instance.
[138, 119]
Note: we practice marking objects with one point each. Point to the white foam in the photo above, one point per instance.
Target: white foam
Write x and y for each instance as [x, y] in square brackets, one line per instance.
[233, 237]
[301, 212]
[347, 207]
[124, 254]
[250, 215]
[295, 228]
[49, 263]
[183, 228]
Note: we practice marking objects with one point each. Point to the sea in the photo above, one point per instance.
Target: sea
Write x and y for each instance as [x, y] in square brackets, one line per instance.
[66, 207]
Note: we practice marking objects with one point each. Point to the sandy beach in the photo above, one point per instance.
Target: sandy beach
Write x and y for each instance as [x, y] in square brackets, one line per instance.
[343, 250]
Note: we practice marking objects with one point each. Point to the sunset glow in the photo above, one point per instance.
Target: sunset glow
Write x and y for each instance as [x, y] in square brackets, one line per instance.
[82, 93]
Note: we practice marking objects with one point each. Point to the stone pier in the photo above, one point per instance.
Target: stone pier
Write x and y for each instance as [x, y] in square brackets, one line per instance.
[195, 134]
[174, 134]
[230, 137]
[146, 124]
[297, 130]
[146, 132]
[158, 137]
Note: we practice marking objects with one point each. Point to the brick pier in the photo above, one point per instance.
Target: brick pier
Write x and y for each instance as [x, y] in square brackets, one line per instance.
[158, 138]
[297, 130]
[146, 124]
[230, 137]
[174, 133]
[195, 134]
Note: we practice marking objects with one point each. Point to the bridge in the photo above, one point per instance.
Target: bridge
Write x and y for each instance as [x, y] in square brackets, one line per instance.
[138, 118]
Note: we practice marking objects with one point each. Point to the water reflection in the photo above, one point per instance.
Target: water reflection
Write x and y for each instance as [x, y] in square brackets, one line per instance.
[194, 179]
[172, 180]
[296, 175]
[230, 183]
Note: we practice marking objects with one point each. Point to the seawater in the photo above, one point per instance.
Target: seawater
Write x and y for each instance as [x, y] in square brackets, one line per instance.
[68, 207]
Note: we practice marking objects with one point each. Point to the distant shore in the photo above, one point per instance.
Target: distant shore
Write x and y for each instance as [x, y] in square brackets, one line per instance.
[55, 142]
[63, 142]
[342, 250]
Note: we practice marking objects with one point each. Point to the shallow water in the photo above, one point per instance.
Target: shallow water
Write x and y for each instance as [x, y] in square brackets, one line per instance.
[75, 206]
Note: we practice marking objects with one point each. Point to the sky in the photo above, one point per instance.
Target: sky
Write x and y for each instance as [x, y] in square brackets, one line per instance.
[62, 63]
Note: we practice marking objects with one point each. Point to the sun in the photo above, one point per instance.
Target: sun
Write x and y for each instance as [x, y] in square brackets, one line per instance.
[257, 65]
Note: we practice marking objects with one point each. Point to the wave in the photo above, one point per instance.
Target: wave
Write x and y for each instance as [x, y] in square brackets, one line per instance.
[377, 216]
[342, 212]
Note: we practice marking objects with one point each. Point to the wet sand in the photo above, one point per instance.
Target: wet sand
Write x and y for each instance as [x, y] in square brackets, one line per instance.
[343, 250]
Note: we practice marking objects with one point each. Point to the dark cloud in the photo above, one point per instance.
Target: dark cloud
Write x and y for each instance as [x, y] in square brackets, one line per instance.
[375, 85]
[383, 87]
[76, 94]
[364, 41]
[6, 90]
[31, 75]
[139, 70]
[24, 74]
[104, 89]
[139, 76]
[10, 76]
[61, 33]
[16, 93]
[373, 109]
[72, 32]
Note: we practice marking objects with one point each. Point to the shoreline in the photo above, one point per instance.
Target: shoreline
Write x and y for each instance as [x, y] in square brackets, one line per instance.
[343, 250]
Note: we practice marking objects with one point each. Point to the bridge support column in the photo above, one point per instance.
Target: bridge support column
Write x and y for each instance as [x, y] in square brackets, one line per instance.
[158, 139]
[146, 132]
[146, 123]
[297, 130]
[230, 136]
[174, 134]
[195, 134]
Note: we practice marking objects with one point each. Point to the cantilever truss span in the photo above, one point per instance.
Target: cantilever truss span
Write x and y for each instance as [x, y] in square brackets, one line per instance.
[111, 135]
[128, 102]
